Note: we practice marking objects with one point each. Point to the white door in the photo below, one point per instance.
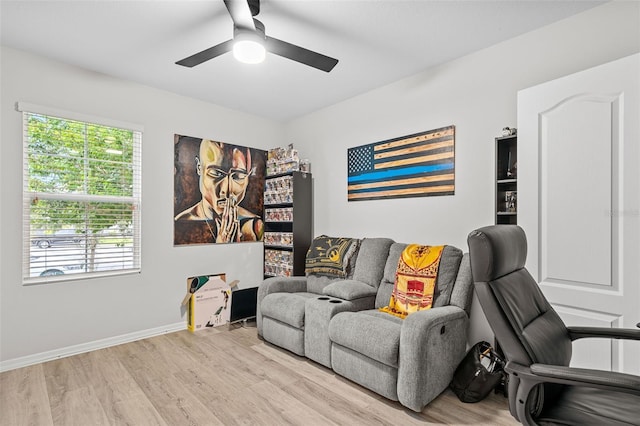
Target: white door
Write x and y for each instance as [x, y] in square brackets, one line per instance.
[579, 202]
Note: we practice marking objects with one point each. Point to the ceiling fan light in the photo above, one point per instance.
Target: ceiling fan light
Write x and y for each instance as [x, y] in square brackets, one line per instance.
[248, 48]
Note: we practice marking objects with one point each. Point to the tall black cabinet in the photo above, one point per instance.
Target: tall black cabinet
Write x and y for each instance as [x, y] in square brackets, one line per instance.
[288, 223]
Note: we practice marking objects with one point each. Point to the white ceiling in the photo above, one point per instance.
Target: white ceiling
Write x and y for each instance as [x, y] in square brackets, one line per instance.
[376, 41]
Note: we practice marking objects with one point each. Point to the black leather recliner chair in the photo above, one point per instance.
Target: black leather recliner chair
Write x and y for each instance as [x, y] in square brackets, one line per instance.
[542, 388]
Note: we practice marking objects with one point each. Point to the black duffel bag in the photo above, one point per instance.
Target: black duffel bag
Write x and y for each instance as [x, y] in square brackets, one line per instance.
[481, 370]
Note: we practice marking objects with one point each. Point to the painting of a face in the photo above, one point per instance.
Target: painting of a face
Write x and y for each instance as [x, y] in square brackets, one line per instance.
[218, 194]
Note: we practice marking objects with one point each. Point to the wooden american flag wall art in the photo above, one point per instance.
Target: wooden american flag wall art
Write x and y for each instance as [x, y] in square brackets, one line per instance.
[418, 165]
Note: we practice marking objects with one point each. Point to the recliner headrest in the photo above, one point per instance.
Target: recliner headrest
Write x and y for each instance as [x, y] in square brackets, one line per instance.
[496, 251]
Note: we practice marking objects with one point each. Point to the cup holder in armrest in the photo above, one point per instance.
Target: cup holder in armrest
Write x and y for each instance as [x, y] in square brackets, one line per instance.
[335, 301]
[323, 298]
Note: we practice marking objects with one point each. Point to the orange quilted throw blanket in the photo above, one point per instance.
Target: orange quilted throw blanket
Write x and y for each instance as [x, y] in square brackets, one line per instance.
[415, 280]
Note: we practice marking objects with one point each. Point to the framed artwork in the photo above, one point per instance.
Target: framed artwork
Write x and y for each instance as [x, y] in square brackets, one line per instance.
[418, 165]
[218, 192]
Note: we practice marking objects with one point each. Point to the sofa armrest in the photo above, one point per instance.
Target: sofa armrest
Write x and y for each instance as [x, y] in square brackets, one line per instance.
[277, 285]
[349, 290]
[432, 344]
[282, 285]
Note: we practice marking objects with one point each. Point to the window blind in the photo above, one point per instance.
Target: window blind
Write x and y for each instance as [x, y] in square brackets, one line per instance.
[81, 198]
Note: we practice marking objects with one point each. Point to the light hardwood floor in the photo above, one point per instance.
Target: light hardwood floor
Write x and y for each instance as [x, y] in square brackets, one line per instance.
[221, 376]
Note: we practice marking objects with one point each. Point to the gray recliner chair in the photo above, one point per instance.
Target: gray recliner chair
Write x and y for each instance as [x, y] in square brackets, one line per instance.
[542, 388]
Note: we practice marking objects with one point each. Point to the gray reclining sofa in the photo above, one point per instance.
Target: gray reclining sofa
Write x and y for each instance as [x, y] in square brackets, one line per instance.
[336, 322]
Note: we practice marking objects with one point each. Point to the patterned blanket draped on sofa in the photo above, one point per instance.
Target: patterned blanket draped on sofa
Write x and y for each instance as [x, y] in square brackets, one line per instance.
[415, 280]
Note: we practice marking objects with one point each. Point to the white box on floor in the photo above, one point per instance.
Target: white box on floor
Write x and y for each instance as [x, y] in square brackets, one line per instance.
[210, 302]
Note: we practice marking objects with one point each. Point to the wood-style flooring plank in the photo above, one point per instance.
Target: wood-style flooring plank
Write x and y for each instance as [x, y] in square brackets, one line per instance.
[24, 400]
[78, 407]
[72, 398]
[156, 378]
[339, 409]
[288, 410]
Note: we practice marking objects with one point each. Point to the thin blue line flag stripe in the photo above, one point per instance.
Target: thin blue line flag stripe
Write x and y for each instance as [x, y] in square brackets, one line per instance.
[403, 172]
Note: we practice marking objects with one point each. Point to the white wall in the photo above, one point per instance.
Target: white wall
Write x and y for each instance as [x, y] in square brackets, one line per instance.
[47, 320]
[477, 94]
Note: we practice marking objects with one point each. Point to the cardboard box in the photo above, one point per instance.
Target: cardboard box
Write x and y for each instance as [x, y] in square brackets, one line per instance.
[209, 302]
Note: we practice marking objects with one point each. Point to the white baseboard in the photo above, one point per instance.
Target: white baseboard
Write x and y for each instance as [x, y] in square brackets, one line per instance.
[25, 361]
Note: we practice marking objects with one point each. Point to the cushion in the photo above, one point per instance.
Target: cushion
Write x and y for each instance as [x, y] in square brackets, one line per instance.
[370, 263]
[375, 336]
[330, 256]
[584, 405]
[349, 290]
[415, 280]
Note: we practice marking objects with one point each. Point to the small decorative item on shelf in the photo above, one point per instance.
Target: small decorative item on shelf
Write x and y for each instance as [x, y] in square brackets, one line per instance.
[279, 215]
[511, 200]
[512, 171]
[278, 263]
[282, 160]
[278, 190]
[509, 131]
[283, 239]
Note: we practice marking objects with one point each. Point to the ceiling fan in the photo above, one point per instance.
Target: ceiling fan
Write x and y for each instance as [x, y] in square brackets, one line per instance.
[250, 40]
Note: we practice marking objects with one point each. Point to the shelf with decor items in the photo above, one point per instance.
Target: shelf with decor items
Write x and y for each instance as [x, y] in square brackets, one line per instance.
[288, 219]
[506, 195]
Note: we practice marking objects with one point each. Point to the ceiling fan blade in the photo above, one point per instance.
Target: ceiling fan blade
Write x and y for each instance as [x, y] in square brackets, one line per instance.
[206, 54]
[240, 14]
[300, 54]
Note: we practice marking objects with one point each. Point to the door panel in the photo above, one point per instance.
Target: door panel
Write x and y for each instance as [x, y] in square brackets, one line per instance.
[579, 202]
[576, 183]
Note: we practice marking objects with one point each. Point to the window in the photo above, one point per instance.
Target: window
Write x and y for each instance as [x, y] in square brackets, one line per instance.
[81, 196]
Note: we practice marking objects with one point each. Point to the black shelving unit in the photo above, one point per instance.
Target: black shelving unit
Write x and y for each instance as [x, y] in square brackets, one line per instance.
[506, 196]
[288, 223]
